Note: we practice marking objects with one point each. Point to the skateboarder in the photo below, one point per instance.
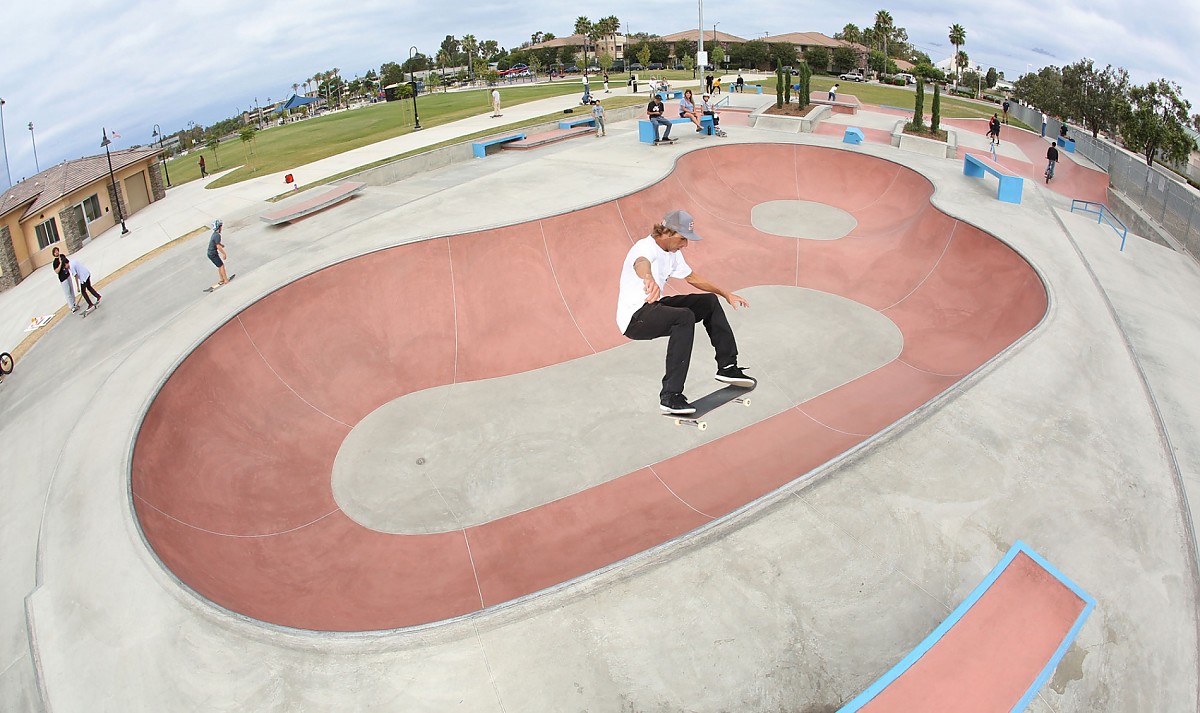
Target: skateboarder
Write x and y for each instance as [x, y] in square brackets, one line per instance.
[216, 253]
[644, 313]
[655, 111]
[84, 277]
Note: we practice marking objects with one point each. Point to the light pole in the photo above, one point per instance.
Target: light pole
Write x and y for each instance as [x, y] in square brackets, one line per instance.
[161, 159]
[701, 55]
[4, 143]
[113, 181]
[35, 159]
[412, 73]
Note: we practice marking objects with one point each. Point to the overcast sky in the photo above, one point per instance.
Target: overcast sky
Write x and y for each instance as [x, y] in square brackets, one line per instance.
[72, 67]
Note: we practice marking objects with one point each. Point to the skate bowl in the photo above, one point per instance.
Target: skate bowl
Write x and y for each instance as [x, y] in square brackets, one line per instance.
[243, 480]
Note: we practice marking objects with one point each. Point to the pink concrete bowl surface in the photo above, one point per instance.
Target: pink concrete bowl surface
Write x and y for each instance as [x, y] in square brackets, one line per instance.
[231, 468]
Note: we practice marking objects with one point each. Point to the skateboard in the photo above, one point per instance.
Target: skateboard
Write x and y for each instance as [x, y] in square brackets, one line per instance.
[217, 287]
[711, 402]
[89, 310]
[660, 142]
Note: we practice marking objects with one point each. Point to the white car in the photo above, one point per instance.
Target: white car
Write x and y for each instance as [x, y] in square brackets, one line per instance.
[852, 77]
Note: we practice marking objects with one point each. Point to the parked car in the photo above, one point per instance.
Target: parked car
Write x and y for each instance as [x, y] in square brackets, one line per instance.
[908, 78]
[657, 66]
[572, 69]
[617, 66]
[852, 77]
[679, 67]
[636, 67]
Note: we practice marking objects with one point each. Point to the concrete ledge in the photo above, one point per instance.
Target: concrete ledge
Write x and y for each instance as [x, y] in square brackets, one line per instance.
[792, 124]
[927, 147]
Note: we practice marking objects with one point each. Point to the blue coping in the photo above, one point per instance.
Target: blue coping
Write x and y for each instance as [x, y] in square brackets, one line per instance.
[1010, 185]
[1067, 145]
[853, 135]
[647, 131]
[976, 594]
[673, 94]
[589, 120]
[479, 148]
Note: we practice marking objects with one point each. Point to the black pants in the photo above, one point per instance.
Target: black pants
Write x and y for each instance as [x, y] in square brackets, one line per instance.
[676, 317]
[85, 286]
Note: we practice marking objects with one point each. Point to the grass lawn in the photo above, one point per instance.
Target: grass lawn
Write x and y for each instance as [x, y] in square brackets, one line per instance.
[279, 148]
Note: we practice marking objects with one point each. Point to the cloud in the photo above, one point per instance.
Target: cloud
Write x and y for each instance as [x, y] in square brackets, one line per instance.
[133, 64]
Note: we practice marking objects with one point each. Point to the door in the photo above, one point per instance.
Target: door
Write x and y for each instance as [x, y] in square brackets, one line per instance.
[136, 195]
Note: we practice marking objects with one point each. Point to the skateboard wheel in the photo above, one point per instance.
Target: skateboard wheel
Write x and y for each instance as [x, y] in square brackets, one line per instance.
[745, 402]
[6, 363]
[679, 422]
[702, 425]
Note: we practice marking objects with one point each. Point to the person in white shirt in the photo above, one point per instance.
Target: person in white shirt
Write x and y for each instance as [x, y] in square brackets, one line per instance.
[644, 313]
[495, 102]
[84, 276]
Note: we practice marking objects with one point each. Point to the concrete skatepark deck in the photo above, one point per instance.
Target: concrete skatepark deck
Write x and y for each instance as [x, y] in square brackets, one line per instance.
[972, 388]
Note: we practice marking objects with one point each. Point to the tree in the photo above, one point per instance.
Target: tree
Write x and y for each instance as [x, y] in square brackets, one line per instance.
[583, 26]
[643, 54]
[417, 63]
[805, 92]
[689, 63]
[958, 38]
[935, 119]
[918, 121]
[1043, 90]
[961, 61]
[535, 38]
[755, 53]
[683, 48]
[451, 47]
[606, 61]
[247, 135]
[817, 58]
[1098, 100]
[718, 56]
[469, 46]
[884, 25]
[784, 53]
[844, 59]
[990, 80]
[212, 143]
[488, 49]
[779, 84]
[850, 33]
[1156, 122]
[877, 62]
[390, 73]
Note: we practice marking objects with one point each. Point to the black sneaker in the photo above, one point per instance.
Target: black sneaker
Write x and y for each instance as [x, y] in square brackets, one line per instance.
[677, 404]
[736, 375]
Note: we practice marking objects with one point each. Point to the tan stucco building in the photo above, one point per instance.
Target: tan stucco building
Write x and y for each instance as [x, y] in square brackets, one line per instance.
[69, 204]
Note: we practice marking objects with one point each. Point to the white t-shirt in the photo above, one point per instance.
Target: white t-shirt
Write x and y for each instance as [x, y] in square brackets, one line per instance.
[633, 290]
[495, 96]
[80, 271]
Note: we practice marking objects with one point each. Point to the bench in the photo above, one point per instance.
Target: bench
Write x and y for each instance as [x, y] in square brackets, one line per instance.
[995, 651]
[853, 135]
[672, 94]
[299, 208]
[646, 130]
[1010, 183]
[1066, 144]
[479, 148]
[581, 121]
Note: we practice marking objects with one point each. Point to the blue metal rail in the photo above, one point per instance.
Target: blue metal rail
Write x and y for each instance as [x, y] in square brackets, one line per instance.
[1103, 215]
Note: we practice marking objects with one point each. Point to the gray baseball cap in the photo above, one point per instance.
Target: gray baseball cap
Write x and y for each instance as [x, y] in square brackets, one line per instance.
[681, 222]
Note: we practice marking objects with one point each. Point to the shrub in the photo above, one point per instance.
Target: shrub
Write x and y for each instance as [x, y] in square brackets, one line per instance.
[919, 107]
[935, 121]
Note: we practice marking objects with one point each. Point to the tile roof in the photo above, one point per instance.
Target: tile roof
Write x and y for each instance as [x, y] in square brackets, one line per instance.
[708, 36]
[808, 39]
[67, 177]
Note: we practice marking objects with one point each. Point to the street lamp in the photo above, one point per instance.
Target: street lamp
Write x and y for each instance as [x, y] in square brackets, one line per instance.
[412, 73]
[31, 138]
[113, 181]
[161, 159]
[4, 143]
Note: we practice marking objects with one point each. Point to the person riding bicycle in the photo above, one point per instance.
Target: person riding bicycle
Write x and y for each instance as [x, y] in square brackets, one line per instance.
[1051, 159]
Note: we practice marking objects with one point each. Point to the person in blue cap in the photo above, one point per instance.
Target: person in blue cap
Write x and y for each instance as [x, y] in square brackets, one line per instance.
[644, 313]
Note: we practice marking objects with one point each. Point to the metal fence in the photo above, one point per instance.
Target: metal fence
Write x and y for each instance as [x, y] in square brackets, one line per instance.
[1164, 197]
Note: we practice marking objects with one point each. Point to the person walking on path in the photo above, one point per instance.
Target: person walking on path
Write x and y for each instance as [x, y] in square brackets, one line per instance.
[1051, 160]
[708, 83]
[216, 253]
[84, 276]
[1006, 107]
[994, 129]
[598, 115]
[606, 91]
[741, 84]
[62, 268]
[203, 171]
[644, 313]
[655, 110]
[495, 102]
[633, 81]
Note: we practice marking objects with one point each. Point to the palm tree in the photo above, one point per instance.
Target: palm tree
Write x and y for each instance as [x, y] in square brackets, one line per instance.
[958, 38]
[295, 87]
[961, 62]
[884, 24]
[469, 45]
[535, 38]
[583, 26]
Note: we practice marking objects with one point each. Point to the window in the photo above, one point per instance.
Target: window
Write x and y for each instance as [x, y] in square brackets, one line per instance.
[91, 207]
[47, 234]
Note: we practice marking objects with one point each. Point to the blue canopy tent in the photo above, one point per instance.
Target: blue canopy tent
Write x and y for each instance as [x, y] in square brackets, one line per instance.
[296, 101]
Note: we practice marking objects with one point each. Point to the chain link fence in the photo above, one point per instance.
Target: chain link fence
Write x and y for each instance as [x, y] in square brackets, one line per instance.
[1164, 197]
